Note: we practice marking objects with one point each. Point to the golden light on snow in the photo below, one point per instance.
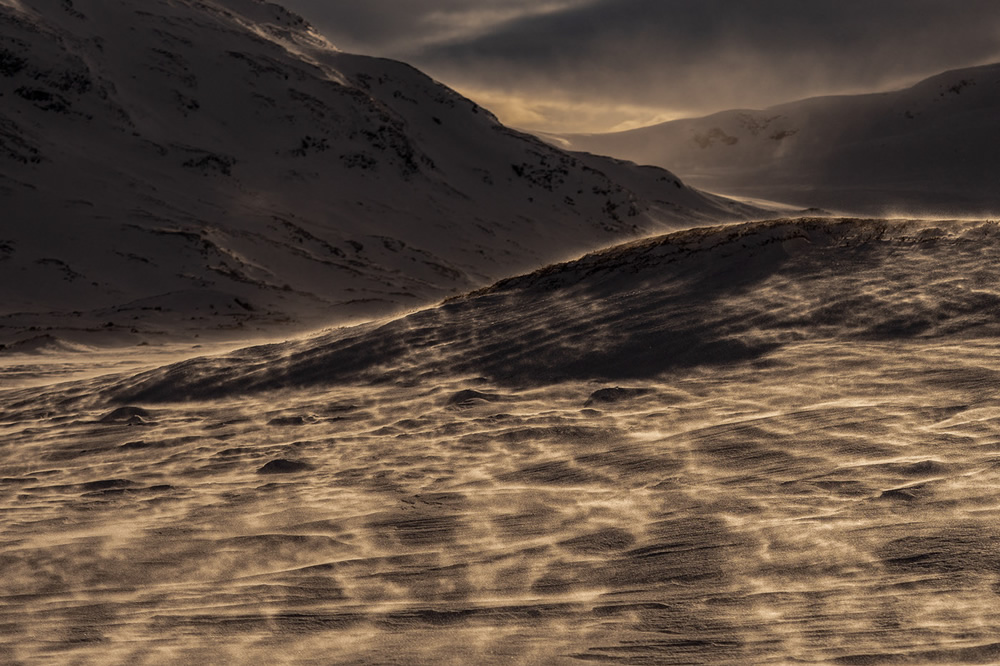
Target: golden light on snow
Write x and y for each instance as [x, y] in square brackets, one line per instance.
[825, 494]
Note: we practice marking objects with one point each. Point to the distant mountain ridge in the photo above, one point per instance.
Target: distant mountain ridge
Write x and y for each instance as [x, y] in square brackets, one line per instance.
[933, 147]
[183, 167]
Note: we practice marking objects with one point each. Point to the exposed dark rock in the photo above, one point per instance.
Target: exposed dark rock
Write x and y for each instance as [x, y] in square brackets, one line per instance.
[284, 466]
[43, 99]
[129, 415]
[289, 421]
[221, 163]
[606, 396]
[10, 63]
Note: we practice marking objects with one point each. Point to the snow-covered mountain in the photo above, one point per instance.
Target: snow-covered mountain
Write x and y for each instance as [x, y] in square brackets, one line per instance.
[179, 166]
[931, 147]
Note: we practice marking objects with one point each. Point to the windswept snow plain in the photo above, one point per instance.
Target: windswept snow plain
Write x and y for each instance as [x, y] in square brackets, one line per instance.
[776, 442]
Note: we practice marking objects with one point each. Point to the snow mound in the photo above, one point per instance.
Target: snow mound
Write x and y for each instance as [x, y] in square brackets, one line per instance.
[712, 296]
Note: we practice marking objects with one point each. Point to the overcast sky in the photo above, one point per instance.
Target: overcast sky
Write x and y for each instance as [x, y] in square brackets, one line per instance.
[597, 65]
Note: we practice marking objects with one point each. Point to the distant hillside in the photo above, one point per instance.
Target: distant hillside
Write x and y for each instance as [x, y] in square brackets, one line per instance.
[934, 147]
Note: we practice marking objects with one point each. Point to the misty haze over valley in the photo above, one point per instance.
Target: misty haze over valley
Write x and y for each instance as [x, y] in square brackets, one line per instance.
[308, 358]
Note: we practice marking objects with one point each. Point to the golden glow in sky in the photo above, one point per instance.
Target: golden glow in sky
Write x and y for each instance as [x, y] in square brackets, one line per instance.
[564, 115]
[612, 65]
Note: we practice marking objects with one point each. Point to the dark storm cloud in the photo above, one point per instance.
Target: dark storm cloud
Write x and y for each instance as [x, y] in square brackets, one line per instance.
[394, 27]
[591, 61]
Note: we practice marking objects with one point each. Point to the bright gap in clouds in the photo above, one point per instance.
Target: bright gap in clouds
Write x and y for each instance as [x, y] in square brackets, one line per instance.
[559, 113]
[610, 65]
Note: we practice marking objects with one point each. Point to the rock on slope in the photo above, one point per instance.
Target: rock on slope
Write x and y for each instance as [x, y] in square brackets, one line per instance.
[934, 146]
[179, 166]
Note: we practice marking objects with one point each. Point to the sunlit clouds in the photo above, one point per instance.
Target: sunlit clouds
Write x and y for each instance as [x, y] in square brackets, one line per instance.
[578, 61]
[569, 113]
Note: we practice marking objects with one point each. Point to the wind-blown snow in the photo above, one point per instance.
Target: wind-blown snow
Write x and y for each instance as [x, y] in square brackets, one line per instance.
[704, 296]
[766, 443]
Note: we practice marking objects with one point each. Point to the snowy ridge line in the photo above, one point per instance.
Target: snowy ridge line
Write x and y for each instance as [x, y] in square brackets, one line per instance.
[706, 297]
[816, 231]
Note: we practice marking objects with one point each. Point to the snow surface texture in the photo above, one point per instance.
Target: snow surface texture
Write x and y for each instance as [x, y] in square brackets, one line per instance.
[765, 443]
[177, 167]
[933, 148]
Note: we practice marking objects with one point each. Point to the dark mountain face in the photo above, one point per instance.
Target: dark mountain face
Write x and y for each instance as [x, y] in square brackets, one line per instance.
[173, 167]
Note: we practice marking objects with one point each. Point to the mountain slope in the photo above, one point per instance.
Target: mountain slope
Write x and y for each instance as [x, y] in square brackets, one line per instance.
[182, 166]
[934, 146]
